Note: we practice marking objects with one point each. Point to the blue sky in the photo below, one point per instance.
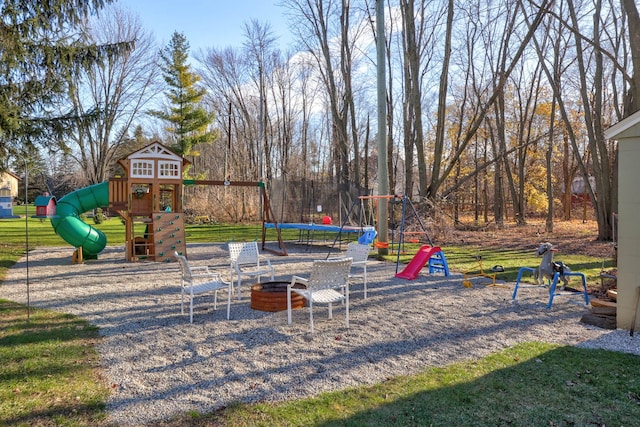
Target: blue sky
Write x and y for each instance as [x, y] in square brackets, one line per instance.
[208, 23]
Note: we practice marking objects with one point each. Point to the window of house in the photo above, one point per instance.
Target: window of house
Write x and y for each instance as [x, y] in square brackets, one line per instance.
[169, 169]
[142, 169]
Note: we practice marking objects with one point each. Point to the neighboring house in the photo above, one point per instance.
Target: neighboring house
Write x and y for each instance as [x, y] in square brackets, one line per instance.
[9, 181]
[8, 191]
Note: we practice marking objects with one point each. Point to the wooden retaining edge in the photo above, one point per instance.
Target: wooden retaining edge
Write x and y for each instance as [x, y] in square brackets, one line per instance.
[596, 302]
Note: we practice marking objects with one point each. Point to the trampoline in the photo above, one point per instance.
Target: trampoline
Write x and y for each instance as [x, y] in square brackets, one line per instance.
[310, 228]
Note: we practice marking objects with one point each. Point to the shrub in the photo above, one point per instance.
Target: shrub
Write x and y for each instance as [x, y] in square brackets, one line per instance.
[99, 217]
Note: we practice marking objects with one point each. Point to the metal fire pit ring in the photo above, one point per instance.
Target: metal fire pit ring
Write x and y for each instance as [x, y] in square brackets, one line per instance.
[272, 296]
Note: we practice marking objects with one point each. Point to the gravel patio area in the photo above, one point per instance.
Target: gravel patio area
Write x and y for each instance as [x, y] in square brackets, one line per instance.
[158, 365]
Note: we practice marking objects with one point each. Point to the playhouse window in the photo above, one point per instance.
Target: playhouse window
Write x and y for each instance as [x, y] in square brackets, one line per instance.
[169, 169]
[142, 169]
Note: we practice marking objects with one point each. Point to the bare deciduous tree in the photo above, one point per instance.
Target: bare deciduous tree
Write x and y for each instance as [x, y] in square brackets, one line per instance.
[323, 24]
[632, 103]
[115, 91]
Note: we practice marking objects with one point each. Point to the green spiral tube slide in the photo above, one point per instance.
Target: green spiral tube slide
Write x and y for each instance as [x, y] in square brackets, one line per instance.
[68, 224]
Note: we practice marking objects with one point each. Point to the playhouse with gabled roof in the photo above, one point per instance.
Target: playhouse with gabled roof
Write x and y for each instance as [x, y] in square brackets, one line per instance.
[45, 206]
[149, 199]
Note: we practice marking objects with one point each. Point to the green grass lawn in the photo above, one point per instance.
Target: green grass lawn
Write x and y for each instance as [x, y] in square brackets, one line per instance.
[49, 371]
[532, 384]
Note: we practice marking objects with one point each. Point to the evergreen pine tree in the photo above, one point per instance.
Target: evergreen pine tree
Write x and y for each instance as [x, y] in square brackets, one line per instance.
[188, 121]
[41, 48]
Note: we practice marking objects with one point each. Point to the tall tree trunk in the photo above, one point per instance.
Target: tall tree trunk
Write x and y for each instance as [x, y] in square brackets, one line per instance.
[498, 201]
[442, 107]
[592, 103]
[566, 193]
[346, 66]
[391, 166]
[549, 165]
[476, 187]
[632, 101]
[413, 104]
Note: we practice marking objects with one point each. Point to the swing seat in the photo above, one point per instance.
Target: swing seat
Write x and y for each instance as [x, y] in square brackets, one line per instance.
[368, 237]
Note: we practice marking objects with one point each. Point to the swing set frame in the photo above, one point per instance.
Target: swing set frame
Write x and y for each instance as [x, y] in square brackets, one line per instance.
[267, 211]
[394, 198]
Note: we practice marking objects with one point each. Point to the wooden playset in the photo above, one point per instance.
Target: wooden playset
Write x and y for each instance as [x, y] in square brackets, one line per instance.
[149, 200]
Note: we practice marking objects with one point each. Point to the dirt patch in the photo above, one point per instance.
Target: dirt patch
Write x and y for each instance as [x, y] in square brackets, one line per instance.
[569, 237]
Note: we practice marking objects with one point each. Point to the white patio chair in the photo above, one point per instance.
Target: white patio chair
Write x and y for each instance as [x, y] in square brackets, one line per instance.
[328, 283]
[360, 254]
[198, 280]
[246, 261]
